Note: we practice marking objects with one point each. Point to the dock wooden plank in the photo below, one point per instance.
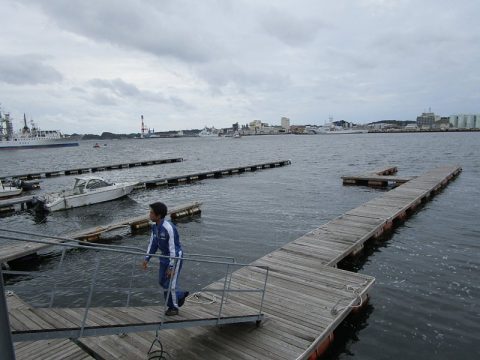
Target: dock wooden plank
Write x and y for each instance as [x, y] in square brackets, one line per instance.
[49, 349]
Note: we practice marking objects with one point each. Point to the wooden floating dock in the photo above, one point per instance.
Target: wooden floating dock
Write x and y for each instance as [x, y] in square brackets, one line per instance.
[307, 295]
[8, 205]
[18, 250]
[136, 223]
[379, 178]
[92, 169]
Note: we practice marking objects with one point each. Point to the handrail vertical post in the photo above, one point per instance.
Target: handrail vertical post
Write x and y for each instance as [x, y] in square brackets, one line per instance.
[223, 293]
[131, 281]
[6, 343]
[169, 292]
[52, 297]
[229, 283]
[90, 294]
[263, 293]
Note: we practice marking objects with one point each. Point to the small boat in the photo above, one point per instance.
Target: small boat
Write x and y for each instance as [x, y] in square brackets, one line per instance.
[86, 191]
[97, 145]
[8, 191]
[25, 185]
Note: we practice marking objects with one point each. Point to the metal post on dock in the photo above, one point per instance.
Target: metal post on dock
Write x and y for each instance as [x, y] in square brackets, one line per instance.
[6, 344]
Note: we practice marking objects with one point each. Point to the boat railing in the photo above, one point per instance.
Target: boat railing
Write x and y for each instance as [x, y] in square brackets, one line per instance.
[130, 257]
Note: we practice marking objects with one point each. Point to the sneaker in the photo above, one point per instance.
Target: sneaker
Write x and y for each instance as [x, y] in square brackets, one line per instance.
[182, 300]
[171, 312]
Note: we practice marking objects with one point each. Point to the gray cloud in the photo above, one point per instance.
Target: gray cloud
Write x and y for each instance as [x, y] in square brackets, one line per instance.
[102, 99]
[27, 70]
[289, 29]
[116, 86]
[166, 28]
[224, 73]
[109, 92]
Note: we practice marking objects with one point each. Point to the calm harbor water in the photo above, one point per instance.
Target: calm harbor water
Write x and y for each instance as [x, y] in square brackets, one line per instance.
[425, 302]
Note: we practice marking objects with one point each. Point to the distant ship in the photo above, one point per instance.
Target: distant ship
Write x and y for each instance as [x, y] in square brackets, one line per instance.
[206, 132]
[337, 130]
[29, 138]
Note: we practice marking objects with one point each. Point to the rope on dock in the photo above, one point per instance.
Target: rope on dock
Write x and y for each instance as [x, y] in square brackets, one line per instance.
[195, 298]
[355, 290]
[157, 354]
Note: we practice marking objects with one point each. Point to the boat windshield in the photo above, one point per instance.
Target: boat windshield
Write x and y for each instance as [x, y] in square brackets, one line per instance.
[96, 184]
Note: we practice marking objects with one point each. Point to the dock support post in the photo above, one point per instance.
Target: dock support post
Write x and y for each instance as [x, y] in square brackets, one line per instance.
[6, 344]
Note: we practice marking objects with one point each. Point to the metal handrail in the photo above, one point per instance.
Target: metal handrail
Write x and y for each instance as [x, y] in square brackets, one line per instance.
[105, 247]
[228, 262]
[92, 244]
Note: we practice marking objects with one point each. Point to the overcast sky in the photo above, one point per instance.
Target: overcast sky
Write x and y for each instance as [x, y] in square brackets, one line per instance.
[96, 65]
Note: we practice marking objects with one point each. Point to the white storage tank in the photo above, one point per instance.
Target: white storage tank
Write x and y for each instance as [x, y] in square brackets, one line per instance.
[462, 121]
[453, 121]
[470, 121]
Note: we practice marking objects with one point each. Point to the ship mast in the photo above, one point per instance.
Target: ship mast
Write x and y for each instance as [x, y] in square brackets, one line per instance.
[25, 129]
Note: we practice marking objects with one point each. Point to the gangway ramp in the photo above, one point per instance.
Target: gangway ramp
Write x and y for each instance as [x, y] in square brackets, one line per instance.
[51, 323]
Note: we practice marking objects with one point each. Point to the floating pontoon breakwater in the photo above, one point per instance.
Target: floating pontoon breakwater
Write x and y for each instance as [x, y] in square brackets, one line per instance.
[307, 296]
[90, 169]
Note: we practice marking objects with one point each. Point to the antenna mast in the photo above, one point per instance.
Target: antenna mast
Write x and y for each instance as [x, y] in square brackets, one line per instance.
[143, 128]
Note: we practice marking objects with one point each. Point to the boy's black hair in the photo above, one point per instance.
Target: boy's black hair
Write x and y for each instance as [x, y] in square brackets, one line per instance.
[159, 208]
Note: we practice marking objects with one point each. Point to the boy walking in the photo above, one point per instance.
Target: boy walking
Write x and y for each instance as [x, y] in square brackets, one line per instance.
[165, 237]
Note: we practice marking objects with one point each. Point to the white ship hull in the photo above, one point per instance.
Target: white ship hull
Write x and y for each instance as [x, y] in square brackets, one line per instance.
[342, 131]
[31, 143]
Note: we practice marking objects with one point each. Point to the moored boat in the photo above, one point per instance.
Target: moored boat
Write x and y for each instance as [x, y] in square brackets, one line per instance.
[8, 191]
[86, 191]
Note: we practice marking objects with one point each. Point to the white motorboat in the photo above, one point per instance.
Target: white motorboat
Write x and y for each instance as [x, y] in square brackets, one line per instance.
[7, 191]
[86, 191]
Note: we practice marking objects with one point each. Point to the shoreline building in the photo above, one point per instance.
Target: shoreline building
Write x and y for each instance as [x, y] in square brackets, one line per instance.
[427, 120]
[285, 123]
[465, 121]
